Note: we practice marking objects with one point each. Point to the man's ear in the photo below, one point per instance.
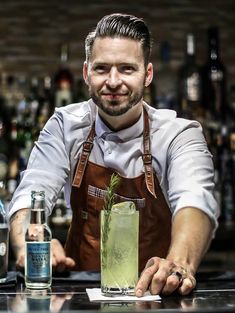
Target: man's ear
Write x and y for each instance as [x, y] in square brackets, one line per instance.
[85, 74]
[149, 74]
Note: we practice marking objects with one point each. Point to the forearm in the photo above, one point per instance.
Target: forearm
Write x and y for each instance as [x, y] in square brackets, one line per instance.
[18, 225]
[191, 237]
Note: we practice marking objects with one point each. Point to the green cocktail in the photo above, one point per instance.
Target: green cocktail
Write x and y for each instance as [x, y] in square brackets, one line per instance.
[119, 248]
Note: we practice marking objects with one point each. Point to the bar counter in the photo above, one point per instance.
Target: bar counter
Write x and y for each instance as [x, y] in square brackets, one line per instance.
[215, 292]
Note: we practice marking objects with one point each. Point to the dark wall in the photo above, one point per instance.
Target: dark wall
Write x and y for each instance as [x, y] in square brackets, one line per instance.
[31, 31]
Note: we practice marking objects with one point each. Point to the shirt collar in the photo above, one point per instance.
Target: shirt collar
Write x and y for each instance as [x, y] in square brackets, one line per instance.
[103, 131]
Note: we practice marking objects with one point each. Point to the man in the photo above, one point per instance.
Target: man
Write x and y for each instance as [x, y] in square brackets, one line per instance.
[163, 160]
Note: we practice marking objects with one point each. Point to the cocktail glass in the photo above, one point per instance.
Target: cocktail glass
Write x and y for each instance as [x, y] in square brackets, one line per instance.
[119, 249]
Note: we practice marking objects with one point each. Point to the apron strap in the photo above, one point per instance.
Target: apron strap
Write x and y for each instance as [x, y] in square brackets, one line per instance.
[147, 157]
[86, 150]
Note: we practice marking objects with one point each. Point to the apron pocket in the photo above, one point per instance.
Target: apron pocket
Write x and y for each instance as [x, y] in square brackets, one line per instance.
[95, 203]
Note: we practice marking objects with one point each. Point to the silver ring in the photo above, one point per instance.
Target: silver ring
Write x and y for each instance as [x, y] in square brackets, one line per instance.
[177, 274]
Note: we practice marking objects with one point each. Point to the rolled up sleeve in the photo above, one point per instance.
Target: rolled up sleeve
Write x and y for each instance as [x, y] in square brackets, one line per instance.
[191, 174]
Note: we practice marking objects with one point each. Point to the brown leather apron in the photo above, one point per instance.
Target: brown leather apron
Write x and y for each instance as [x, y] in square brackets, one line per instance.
[87, 199]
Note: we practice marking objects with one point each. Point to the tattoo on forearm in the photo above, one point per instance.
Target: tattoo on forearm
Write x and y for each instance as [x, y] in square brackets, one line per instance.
[18, 223]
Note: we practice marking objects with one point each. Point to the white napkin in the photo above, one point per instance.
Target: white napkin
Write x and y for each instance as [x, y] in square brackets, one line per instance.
[94, 294]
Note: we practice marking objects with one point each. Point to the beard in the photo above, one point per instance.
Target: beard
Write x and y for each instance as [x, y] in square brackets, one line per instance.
[116, 107]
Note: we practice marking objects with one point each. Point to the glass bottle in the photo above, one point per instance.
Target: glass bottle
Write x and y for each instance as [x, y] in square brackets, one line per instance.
[190, 83]
[63, 81]
[4, 139]
[214, 79]
[38, 259]
[4, 244]
[226, 176]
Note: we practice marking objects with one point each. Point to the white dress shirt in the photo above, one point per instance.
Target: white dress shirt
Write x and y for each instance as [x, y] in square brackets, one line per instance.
[181, 159]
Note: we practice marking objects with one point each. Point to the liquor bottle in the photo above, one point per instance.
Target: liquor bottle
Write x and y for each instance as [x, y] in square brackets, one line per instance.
[11, 92]
[232, 145]
[58, 217]
[4, 244]
[63, 81]
[33, 102]
[38, 262]
[214, 79]
[190, 83]
[5, 125]
[226, 176]
[46, 104]
[166, 80]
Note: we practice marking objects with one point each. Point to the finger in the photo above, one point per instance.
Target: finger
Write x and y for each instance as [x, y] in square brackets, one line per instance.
[188, 284]
[59, 267]
[172, 283]
[58, 253]
[20, 262]
[64, 264]
[60, 262]
[146, 276]
[70, 263]
[58, 258]
[159, 279]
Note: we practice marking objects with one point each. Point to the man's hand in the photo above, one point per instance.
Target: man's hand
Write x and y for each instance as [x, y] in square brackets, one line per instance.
[191, 236]
[60, 262]
[164, 276]
[18, 224]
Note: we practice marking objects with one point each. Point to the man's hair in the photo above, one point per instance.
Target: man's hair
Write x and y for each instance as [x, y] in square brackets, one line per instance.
[122, 26]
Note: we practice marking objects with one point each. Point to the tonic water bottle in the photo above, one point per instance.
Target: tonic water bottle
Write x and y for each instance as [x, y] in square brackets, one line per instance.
[38, 258]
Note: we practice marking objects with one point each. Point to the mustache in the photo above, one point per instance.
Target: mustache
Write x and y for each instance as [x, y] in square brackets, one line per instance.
[121, 93]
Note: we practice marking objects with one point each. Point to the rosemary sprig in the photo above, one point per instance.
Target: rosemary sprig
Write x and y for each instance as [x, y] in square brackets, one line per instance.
[108, 203]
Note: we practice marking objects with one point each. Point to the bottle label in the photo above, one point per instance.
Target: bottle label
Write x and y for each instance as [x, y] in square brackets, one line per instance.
[3, 248]
[193, 87]
[38, 258]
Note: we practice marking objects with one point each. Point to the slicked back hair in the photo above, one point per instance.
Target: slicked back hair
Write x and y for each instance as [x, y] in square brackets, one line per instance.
[122, 26]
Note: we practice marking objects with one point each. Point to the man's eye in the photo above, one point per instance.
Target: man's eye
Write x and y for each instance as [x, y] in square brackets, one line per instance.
[127, 69]
[100, 69]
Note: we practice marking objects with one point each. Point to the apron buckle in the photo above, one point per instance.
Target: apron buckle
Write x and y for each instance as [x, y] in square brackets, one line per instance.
[87, 146]
[147, 158]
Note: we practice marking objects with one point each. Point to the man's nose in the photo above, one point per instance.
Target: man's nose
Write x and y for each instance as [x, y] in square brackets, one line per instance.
[114, 79]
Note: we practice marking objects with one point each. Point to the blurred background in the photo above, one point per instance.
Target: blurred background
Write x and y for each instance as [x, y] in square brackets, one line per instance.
[41, 59]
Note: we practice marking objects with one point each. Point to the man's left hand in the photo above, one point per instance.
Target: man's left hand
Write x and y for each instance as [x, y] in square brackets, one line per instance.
[164, 276]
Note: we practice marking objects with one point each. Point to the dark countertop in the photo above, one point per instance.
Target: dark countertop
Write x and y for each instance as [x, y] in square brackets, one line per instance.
[215, 292]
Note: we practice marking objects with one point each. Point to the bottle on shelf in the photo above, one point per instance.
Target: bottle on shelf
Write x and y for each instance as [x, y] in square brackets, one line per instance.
[46, 107]
[58, 216]
[190, 83]
[63, 81]
[38, 258]
[226, 175]
[232, 145]
[166, 80]
[4, 139]
[214, 79]
[4, 243]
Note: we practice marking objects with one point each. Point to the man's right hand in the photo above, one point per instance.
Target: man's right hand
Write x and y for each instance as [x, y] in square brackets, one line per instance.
[18, 224]
[60, 262]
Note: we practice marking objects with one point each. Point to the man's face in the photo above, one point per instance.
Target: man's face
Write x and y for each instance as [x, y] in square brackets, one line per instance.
[116, 74]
